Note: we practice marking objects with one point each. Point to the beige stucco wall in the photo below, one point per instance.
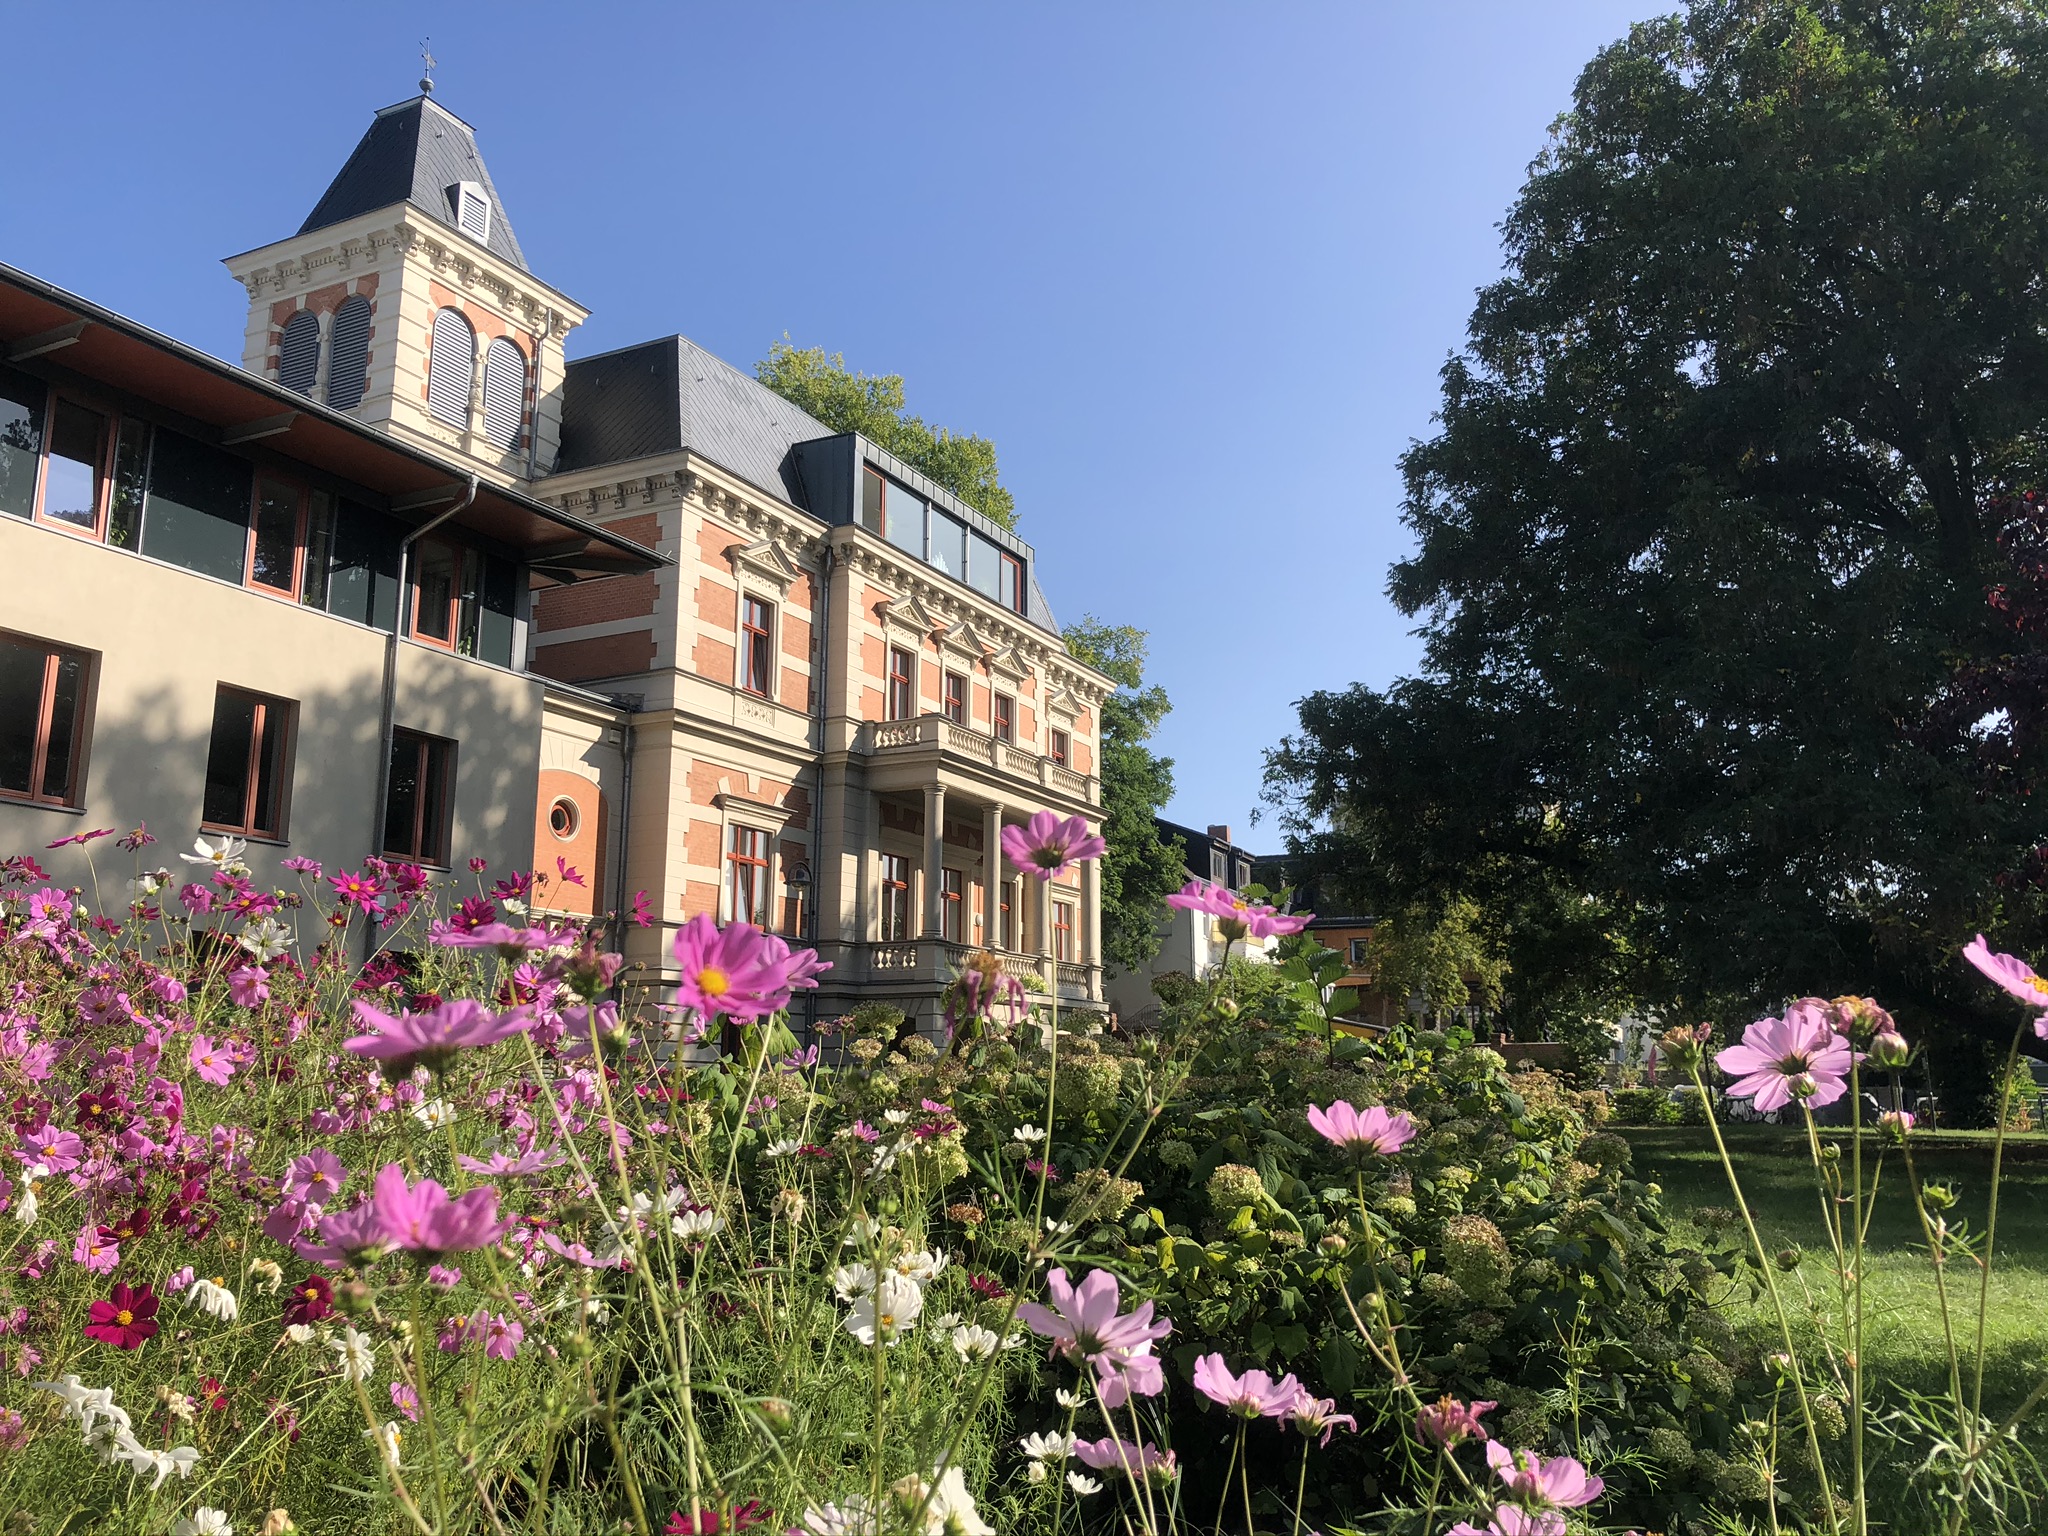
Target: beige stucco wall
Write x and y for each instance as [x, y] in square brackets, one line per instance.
[166, 638]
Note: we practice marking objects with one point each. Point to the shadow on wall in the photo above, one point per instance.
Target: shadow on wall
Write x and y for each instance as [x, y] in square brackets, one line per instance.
[146, 762]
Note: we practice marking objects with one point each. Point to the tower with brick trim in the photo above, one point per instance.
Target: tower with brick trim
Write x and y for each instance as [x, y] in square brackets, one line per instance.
[404, 295]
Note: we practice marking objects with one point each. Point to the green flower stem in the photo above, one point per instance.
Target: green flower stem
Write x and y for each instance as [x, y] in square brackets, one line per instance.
[1300, 1486]
[1223, 1503]
[1862, 1502]
[1763, 1261]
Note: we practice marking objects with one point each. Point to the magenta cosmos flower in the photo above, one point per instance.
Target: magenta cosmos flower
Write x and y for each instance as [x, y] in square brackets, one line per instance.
[1780, 1060]
[432, 1039]
[1083, 1323]
[1559, 1483]
[737, 971]
[2013, 974]
[1510, 1521]
[1254, 1395]
[1110, 1454]
[1363, 1130]
[1046, 847]
[1448, 1421]
[1237, 916]
[128, 1320]
[1318, 1415]
[423, 1219]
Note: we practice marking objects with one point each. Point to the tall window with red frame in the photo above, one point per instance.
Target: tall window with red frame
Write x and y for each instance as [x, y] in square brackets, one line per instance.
[902, 683]
[1005, 717]
[248, 764]
[757, 647]
[952, 905]
[1063, 930]
[1006, 934]
[42, 720]
[747, 860]
[1057, 747]
[956, 698]
[276, 536]
[418, 796]
[895, 898]
[437, 586]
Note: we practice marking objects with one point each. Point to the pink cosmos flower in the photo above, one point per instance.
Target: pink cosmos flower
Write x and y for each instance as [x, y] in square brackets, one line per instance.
[458, 933]
[315, 1177]
[501, 1336]
[57, 1150]
[1110, 1454]
[1780, 1060]
[167, 990]
[1122, 1374]
[1237, 916]
[1559, 1483]
[1367, 1130]
[1313, 1415]
[432, 1039]
[1253, 1395]
[405, 1400]
[249, 985]
[732, 971]
[1447, 1421]
[423, 1219]
[2013, 974]
[345, 1236]
[1510, 1521]
[1085, 1326]
[1046, 847]
[210, 1061]
[98, 1254]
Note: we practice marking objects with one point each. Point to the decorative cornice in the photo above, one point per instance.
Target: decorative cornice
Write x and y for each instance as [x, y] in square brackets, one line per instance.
[766, 559]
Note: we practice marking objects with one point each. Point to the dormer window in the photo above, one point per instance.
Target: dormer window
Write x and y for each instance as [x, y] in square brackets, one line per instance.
[472, 207]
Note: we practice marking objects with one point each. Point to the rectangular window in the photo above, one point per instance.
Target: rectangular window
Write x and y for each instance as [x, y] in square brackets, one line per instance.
[1005, 718]
[487, 608]
[131, 480]
[1244, 873]
[902, 684]
[1013, 583]
[362, 566]
[197, 512]
[42, 720]
[21, 440]
[748, 861]
[1006, 934]
[895, 898]
[435, 588]
[952, 905]
[248, 764]
[984, 565]
[956, 698]
[1063, 930]
[1358, 947]
[1219, 866]
[905, 517]
[72, 476]
[949, 544]
[418, 798]
[757, 654]
[274, 536]
[871, 494]
[1057, 747]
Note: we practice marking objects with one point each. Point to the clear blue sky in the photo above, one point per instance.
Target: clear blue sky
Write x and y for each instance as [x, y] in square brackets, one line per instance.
[1193, 268]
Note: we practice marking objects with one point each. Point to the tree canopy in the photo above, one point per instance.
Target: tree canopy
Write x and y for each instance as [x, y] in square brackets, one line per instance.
[873, 405]
[1707, 528]
[1140, 868]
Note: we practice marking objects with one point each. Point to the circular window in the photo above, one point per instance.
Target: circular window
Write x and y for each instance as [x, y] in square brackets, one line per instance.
[563, 818]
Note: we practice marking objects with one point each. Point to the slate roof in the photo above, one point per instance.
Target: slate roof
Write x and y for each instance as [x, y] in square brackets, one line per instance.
[670, 393]
[413, 153]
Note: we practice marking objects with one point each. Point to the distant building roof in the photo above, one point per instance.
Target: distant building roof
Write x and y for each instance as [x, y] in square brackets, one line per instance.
[414, 153]
[670, 393]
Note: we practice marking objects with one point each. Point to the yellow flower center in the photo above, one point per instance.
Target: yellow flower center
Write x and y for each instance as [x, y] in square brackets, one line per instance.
[310, 1294]
[2038, 985]
[217, 1280]
[713, 982]
[124, 1317]
[888, 1319]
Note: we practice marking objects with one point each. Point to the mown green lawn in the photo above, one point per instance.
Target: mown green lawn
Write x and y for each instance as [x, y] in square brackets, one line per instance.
[1902, 1304]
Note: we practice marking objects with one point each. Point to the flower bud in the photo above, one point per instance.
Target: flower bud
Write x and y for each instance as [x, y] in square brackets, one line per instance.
[1893, 1124]
[1938, 1197]
[1332, 1244]
[1831, 1153]
[777, 1414]
[1786, 1259]
[278, 1523]
[353, 1298]
[1890, 1051]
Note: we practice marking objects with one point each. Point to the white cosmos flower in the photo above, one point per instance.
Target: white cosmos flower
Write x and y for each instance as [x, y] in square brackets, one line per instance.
[883, 1159]
[141, 1460]
[387, 1437]
[434, 1114]
[299, 1333]
[848, 1519]
[226, 854]
[920, 1266]
[1028, 1134]
[214, 1299]
[266, 938]
[889, 1311]
[851, 1280]
[863, 1231]
[896, 1116]
[1052, 1446]
[1034, 1473]
[357, 1355]
[1066, 1399]
[783, 1148]
[695, 1226]
[267, 1275]
[204, 1521]
[946, 1320]
[1083, 1484]
[971, 1341]
[952, 1510]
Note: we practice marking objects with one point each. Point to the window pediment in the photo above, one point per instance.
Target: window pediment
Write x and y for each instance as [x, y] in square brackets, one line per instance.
[766, 560]
[909, 616]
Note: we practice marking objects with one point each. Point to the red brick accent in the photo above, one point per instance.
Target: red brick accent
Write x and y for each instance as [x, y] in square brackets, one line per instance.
[713, 540]
[702, 843]
[872, 704]
[718, 606]
[594, 602]
[606, 656]
[641, 528]
[715, 660]
[700, 895]
[1083, 756]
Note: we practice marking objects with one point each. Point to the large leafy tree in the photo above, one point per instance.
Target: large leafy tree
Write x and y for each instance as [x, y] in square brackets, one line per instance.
[1706, 532]
[1140, 867]
[873, 405]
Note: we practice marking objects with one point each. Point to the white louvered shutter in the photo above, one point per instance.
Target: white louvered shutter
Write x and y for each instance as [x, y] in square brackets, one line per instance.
[298, 354]
[451, 365]
[348, 354]
[504, 392]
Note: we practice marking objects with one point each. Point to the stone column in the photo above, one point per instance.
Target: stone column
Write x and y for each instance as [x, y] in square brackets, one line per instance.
[992, 875]
[1088, 942]
[934, 854]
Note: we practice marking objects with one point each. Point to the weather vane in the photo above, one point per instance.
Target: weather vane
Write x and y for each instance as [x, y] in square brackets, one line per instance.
[427, 58]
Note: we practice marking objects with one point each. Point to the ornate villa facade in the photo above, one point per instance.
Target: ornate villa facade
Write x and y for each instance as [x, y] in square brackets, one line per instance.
[411, 580]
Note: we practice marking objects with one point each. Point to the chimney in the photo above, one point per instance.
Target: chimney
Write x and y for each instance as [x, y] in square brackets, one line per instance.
[1220, 835]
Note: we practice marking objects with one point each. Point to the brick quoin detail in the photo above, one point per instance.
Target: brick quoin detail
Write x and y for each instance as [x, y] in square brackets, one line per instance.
[606, 656]
[322, 301]
[641, 528]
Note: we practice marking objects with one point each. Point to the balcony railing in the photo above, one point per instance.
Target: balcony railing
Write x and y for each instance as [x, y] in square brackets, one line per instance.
[939, 961]
[926, 732]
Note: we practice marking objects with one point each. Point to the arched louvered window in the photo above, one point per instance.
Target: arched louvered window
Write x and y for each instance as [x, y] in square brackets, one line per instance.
[348, 354]
[298, 355]
[504, 392]
[451, 365]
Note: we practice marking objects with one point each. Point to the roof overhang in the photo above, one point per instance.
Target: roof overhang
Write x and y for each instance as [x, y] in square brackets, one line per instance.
[93, 343]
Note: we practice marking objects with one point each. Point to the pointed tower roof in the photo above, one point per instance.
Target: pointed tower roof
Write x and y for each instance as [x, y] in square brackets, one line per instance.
[416, 152]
